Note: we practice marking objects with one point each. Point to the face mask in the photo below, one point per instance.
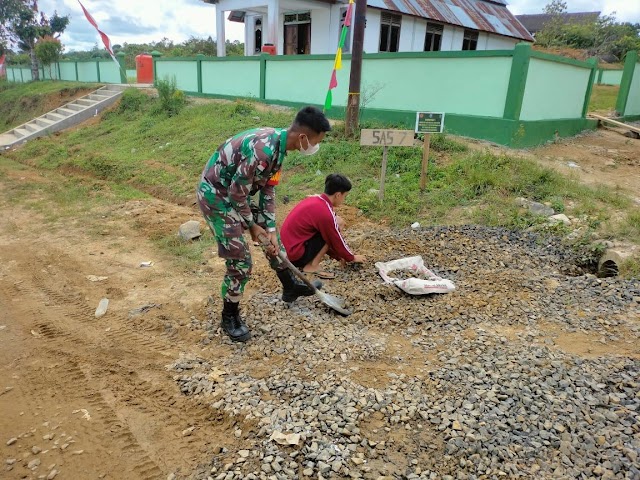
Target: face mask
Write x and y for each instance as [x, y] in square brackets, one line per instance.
[311, 149]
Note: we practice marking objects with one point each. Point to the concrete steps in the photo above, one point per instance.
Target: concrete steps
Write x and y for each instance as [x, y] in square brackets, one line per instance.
[66, 116]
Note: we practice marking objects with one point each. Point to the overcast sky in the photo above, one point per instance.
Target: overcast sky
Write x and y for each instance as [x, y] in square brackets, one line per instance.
[142, 21]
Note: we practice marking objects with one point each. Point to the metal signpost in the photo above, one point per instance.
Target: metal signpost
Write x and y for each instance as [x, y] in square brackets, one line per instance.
[427, 123]
[385, 138]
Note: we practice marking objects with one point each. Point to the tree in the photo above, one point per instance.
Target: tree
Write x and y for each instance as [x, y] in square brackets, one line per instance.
[22, 24]
[48, 50]
[603, 37]
[552, 29]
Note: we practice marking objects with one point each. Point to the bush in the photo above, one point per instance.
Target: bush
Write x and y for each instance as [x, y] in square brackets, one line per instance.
[172, 100]
[48, 50]
[132, 100]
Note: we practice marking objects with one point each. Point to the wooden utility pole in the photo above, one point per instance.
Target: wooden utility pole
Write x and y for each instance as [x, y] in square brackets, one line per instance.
[353, 101]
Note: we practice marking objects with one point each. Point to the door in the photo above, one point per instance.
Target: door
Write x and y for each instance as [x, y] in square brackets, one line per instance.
[290, 39]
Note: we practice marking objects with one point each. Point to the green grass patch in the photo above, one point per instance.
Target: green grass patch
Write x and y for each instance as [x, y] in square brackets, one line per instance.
[603, 98]
[21, 102]
[186, 253]
[140, 147]
[630, 268]
[66, 196]
[630, 226]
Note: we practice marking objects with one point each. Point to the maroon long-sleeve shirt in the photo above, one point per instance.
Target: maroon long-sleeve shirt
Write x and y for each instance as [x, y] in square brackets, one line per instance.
[312, 215]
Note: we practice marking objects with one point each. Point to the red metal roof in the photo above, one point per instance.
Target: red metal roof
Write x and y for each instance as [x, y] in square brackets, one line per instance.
[487, 16]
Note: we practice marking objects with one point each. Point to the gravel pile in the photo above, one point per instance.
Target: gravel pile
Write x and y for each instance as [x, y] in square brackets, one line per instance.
[471, 384]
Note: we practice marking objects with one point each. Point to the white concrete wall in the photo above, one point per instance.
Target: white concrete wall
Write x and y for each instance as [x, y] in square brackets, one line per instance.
[419, 32]
[331, 44]
[452, 38]
[372, 32]
[406, 34]
[498, 42]
[321, 41]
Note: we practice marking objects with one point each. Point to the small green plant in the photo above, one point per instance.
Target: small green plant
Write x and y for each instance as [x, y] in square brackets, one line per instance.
[557, 205]
[132, 100]
[630, 268]
[243, 108]
[441, 143]
[171, 100]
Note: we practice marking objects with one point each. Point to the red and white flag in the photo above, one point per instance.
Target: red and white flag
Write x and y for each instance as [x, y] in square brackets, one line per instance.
[105, 38]
[2, 69]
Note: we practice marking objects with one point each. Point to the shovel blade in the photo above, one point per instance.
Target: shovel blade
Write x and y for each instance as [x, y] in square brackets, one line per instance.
[333, 302]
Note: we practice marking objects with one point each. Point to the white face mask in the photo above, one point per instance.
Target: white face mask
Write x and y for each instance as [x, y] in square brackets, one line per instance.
[311, 149]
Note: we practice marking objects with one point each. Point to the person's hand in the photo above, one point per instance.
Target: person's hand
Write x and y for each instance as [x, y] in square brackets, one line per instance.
[359, 259]
[259, 234]
[274, 246]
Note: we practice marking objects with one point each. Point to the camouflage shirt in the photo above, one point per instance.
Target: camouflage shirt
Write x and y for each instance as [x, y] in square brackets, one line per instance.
[241, 167]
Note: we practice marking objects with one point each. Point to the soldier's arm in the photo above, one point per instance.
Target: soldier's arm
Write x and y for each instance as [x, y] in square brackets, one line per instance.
[267, 205]
[240, 187]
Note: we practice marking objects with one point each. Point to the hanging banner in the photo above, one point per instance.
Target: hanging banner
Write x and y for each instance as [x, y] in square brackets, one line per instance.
[105, 39]
[337, 64]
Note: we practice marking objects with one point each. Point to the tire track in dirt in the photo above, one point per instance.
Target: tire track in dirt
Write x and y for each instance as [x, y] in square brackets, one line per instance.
[138, 414]
[70, 384]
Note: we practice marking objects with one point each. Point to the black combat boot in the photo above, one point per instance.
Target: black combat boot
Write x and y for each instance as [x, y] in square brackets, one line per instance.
[293, 287]
[232, 323]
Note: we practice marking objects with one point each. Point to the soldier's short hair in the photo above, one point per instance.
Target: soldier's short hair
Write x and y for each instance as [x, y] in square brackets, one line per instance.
[313, 119]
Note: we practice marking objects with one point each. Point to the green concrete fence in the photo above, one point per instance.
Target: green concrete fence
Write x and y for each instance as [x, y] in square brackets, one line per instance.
[90, 71]
[628, 104]
[609, 77]
[517, 97]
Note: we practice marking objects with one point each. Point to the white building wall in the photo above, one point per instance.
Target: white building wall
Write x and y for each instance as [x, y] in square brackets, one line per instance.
[498, 42]
[406, 33]
[331, 43]
[419, 32]
[452, 38]
[249, 37]
[320, 29]
[372, 32]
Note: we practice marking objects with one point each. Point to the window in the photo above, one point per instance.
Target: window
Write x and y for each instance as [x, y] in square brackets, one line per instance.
[297, 33]
[347, 42]
[390, 32]
[296, 18]
[470, 41]
[258, 35]
[433, 39]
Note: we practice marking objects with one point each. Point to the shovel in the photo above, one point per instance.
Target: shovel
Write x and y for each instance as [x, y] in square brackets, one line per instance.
[331, 301]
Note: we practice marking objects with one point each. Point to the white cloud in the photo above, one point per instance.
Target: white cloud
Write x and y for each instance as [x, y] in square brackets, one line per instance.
[149, 20]
[626, 10]
[138, 21]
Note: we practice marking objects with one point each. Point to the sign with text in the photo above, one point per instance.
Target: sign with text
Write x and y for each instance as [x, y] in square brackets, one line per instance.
[429, 122]
[386, 138]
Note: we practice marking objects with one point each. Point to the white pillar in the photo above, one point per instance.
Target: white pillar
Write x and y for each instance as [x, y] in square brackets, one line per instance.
[270, 34]
[249, 35]
[220, 36]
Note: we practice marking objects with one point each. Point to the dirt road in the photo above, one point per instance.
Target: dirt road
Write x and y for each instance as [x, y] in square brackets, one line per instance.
[92, 396]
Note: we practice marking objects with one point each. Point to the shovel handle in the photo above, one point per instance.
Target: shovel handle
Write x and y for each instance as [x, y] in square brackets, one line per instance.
[283, 258]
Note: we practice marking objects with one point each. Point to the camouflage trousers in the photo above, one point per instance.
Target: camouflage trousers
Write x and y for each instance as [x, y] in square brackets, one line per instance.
[228, 230]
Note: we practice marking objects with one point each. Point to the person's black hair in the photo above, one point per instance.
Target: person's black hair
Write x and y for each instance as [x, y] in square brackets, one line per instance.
[313, 119]
[336, 182]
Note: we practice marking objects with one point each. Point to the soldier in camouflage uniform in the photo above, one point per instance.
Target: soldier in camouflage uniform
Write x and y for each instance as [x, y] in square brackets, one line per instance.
[245, 167]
